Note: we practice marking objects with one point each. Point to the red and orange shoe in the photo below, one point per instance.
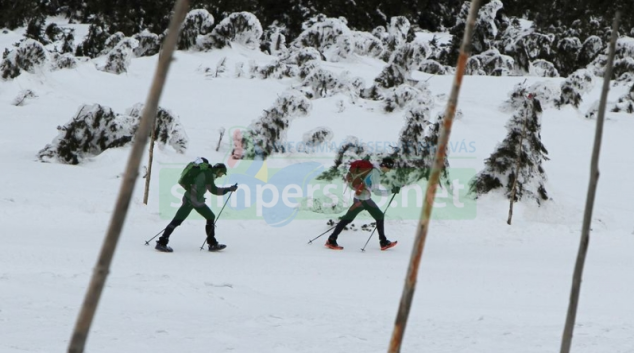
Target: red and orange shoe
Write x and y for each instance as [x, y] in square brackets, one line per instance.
[333, 245]
[388, 244]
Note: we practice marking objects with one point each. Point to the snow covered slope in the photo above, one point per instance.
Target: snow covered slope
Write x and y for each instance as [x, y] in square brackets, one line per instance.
[484, 286]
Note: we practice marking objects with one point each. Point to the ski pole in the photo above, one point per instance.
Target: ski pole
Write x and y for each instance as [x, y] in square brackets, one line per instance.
[371, 234]
[147, 242]
[216, 220]
[319, 236]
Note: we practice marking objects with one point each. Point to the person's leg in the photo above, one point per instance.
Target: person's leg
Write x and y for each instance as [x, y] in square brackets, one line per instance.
[178, 219]
[210, 230]
[378, 216]
[353, 211]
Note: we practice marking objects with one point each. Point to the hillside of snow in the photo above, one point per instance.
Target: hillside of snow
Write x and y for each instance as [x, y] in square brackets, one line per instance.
[484, 286]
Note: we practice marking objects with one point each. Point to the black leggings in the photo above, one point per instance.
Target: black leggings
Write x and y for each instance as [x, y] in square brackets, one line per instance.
[357, 207]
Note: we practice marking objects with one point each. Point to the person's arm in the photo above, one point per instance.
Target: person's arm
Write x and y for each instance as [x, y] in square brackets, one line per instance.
[211, 186]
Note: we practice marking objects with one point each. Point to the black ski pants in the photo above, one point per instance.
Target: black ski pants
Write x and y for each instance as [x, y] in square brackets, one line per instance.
[183, 212]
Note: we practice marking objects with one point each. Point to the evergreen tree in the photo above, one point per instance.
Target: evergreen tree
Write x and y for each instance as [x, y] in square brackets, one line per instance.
[516, 164]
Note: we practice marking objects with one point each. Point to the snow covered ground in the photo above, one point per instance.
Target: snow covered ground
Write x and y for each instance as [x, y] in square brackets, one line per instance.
[484, 286]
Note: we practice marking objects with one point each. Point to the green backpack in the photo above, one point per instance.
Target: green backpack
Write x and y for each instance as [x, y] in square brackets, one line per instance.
[191, 172]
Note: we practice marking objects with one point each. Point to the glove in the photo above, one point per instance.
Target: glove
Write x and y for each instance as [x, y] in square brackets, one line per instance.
[396, 190]
[233, 187]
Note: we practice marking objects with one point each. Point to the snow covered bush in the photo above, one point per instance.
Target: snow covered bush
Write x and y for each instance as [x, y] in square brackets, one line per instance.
[268, 134]
[53, 32]
[93, 130]
[167, 127]
[277, 69]
[578, 83]
[526, 45]
[330, 36]
[519, 156]
[240, 27]
[22, 97]
[63, 61]
[543, 68]
[323, 83]
[197, 22]
[622, 67]
[29, 56]
[405, 59]
[490, 63]
[365, 44]
[120, 56]
[315, 138]
[111, 42]
[434, 67]
[625, 103]
[273, 41]
[399, 97]
[149, 44]
[546, 92]
[565, 59]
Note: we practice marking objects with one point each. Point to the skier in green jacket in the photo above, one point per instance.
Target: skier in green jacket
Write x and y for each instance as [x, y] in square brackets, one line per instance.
[197, 178]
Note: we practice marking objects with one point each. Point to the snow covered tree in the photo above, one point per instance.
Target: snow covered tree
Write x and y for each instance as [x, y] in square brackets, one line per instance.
[323, 83]
[68, 41]
[526, 45]
[418, 144]
[93, 130]
[149, 44]
[167, 127]
[197, 22]
[394, 36]
[578, 83]
[120, 56]
[399, 97]
[29, 56]
[543, 68]
[590, 49]
[565, 59]
[274, 41]
[490, 62]
[240, 27]
[330, 36]
[366, 44]
[268, 134]
[94, 42]
[63, 61]
[53, 32]
[484, 32]
[405, 59]
[546, 92]
[516, 164]
[35, 29]
[350, 150]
